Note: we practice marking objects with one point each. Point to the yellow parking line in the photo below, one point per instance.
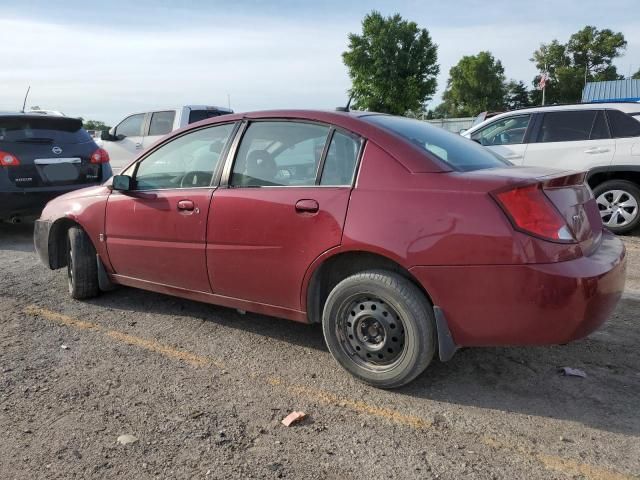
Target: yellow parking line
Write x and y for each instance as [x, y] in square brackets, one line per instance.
[550, 462]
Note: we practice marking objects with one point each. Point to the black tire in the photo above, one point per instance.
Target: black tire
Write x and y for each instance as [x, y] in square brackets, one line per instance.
[82, 266]
[604, 196]
[375, 304]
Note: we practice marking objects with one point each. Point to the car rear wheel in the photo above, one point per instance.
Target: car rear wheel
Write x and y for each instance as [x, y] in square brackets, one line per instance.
[619, 203]
[380, 327]
[82, 267]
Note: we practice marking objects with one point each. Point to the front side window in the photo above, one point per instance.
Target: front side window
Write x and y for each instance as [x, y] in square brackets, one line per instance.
[161, 123]
[277, 153]
[508, 131]
[188, 161]
[623, 125]
[569, 126]
[458, 152]
[131, 126]
[342, 157]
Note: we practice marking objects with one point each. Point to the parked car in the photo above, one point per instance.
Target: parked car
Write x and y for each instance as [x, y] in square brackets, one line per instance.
[138, 131]
[601, 138]
[42, 156]
[402, 239]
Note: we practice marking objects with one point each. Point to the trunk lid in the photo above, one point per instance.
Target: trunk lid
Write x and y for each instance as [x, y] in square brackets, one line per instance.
[52, 151]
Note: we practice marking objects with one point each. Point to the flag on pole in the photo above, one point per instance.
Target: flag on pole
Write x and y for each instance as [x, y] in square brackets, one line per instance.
[543, 81]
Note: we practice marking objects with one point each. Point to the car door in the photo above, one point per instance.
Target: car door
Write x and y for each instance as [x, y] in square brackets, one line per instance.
[571, 139]
[284, 205]
[506, 136]
[160, 124]
[625, 130]
[156, 231]
[126, 141]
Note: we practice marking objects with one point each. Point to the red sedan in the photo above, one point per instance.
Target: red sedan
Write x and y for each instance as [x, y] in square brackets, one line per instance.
[402, 239]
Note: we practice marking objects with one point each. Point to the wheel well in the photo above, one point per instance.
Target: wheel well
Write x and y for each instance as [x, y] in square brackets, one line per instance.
[600, 177]
[58, 242]
[341, 266]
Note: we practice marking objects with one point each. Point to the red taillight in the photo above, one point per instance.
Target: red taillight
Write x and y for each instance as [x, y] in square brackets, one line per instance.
[530, 211]
[100, 156]
[8, 159]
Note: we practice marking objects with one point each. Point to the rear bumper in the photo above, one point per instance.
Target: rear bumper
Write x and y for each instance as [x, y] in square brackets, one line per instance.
[27, 202]
[528, 304]
[16, 201]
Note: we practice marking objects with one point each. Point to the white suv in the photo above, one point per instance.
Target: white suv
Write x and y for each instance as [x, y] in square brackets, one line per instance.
[600, 138]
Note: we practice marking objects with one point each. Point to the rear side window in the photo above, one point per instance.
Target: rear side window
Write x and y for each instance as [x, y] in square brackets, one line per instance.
[460, 153]
[570, 126]
[623, 125]
[26, 129]
[131, 126]
[161, 123]
[278, 154]
[342, 157]
[197, 115]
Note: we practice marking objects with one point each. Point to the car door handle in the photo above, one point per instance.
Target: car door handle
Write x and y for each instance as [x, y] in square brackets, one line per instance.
[307, 206]
[596, 150]
[186, 205]
[138, 146]
[512, 156]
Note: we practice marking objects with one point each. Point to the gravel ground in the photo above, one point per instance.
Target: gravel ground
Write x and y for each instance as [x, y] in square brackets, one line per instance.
[203, 390]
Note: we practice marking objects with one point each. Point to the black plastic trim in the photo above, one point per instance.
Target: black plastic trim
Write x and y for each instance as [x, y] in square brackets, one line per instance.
[446, 345]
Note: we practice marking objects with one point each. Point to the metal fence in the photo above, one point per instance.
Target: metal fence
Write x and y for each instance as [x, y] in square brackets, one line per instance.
[453, 124]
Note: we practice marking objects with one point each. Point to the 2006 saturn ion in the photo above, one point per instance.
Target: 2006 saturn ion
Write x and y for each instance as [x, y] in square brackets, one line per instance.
[403, 240]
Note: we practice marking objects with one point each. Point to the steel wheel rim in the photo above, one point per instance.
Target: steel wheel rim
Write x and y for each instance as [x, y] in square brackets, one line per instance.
[618, 208]
[371, 332]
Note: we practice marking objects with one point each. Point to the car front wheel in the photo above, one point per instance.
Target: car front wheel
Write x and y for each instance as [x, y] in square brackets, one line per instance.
[618, 202]
[380, 327]
[82, 267]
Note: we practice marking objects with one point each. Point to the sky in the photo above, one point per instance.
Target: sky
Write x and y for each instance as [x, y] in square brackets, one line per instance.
[103, 60]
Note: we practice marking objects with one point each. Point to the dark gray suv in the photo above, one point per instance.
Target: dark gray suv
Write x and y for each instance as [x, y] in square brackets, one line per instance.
[43, 156]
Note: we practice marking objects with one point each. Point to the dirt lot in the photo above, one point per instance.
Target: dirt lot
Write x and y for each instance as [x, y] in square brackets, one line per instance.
[203, 389]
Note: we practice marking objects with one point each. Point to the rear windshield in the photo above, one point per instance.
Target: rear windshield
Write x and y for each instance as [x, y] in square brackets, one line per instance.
[459, 152]
[23, 129]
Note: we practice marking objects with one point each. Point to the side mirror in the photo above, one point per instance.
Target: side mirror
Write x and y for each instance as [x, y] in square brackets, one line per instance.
[122, 183]
[105, 135]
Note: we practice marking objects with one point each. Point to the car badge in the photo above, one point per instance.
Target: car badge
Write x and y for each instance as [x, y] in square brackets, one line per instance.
[56, 150]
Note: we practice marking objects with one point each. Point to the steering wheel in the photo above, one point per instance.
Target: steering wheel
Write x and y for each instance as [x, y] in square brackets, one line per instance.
[196, 178]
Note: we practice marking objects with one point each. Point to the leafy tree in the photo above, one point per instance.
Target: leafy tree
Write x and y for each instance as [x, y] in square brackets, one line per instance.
[587, 56]
[440, 111]
[517, 95]
[392, 65]
[476, 84]
[94, 125]
[636, 76]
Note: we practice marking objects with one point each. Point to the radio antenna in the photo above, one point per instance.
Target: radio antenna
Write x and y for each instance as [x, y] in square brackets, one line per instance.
[24, 104]
[345, 109]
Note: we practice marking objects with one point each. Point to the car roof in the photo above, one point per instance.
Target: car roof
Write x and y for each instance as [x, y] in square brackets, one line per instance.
[411, 157]
[627, 107]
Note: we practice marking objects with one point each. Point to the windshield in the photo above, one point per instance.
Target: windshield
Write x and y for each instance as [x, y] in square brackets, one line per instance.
[460, 153]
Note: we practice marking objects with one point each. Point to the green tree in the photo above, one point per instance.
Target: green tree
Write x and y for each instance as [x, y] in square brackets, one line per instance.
[517, 95]
[392, 65]
[587, 56]
[476, 84]
[94, 125]
[636, 76]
